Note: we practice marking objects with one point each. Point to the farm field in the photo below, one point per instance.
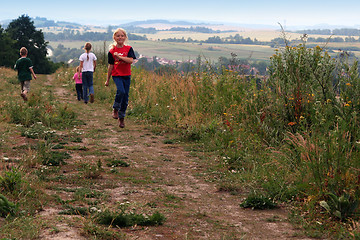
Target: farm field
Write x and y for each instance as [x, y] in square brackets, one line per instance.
[211, 52]
[184, 51]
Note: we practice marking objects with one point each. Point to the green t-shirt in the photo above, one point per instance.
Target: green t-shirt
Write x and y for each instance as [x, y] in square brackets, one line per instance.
[23, 66]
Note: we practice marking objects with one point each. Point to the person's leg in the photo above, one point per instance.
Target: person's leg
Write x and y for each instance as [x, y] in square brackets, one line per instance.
[78, 91]
[85, 86]
[119, 92]
[91, 86]
[125, 96]
[25, 88]
[81, 91]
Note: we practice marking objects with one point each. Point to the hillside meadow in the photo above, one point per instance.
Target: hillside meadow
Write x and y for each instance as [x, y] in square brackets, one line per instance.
[286, 140]
[67, 171]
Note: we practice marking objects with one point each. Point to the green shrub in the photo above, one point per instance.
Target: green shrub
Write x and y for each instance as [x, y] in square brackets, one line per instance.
[117, 163]
[70, 210]
[53, 158]
[342, 207]
[6, 207]
[129, 219]
[258, 202]
[38, 131]
[11, 180]
[99, 232]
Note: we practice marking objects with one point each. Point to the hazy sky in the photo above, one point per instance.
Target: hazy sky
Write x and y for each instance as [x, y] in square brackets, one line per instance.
[270, 12]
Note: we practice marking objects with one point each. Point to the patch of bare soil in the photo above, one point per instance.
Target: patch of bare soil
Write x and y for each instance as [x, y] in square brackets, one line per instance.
[161, 177]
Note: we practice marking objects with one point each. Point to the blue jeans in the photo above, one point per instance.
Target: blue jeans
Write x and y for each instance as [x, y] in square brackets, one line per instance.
[122, 94]
[79, 91]
[87, 81]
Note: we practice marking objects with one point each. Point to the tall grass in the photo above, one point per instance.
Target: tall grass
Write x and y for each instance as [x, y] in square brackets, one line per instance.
[290, 135]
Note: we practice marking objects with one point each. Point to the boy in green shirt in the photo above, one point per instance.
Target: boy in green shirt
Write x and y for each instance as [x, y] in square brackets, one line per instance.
[25, 69]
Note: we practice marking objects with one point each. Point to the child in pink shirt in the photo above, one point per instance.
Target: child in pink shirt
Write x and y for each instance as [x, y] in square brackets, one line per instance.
[78, 84]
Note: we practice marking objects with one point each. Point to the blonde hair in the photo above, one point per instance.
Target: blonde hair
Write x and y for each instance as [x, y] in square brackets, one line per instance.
[23, 51]
[115, 32]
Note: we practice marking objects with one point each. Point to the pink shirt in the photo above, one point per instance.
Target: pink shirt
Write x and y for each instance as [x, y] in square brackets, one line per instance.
[78, 80]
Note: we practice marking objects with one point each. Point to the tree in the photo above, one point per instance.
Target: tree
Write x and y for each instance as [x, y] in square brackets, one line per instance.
[8, 54]
[23, 31]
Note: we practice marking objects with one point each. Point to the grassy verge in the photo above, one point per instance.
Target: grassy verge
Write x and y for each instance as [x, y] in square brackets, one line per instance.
[290, 137]
[46, 166]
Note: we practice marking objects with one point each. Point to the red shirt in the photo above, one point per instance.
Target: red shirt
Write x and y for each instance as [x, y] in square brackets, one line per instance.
[121, 68]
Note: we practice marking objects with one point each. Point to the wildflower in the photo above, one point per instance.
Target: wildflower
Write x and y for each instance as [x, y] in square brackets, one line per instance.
[301, 117]
[347, 105]
[292, 123]
[328, 101]
[348, 84]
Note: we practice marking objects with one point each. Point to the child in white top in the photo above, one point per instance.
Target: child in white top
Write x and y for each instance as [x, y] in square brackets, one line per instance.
[87, 67]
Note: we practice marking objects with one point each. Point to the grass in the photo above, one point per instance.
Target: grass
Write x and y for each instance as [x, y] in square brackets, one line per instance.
[270, 136]
[292, 139]
[38, 150]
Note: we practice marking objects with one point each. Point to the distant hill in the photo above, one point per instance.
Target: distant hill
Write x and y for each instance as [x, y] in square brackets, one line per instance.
[162, 24]
[40, 22]
[161, 21]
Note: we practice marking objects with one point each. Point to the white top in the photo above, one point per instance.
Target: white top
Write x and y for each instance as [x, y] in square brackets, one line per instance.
[88, 65]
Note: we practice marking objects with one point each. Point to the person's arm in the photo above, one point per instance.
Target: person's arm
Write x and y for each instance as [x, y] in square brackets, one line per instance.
[94, 65]
[32, 72]
[81, 67]
[110, 68]
[125, 59]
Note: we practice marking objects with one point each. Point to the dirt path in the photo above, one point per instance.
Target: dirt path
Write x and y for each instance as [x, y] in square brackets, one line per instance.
[163, 177]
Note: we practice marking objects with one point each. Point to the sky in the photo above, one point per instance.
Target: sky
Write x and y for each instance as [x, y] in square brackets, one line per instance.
[100, 12]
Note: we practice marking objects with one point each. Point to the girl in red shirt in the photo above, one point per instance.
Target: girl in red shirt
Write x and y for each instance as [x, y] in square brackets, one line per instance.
[120, 58]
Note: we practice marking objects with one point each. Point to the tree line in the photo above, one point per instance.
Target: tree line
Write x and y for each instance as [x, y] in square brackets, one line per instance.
[242, 66]
[338, 31]
[19, 33]
[76, 35]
